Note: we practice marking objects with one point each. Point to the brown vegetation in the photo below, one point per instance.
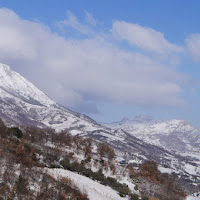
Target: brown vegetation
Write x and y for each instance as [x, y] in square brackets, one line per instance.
[153, 183]
[19, 164]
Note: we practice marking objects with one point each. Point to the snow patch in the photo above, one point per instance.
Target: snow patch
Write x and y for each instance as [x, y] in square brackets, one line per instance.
[95, 190]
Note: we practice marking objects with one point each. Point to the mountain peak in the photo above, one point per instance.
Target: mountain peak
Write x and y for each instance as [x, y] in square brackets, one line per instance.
[4, 67]
[5, 70]
[23, 103]
[15, 85]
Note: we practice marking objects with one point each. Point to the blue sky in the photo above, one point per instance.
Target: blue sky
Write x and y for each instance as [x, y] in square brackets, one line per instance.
[108, 59]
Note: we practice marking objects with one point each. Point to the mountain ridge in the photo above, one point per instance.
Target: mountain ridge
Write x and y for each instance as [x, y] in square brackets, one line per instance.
[23, 103]
[161, 133]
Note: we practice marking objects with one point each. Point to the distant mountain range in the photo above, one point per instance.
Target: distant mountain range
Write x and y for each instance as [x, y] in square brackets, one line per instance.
[177, 135]
[174, 144]
[125, 122]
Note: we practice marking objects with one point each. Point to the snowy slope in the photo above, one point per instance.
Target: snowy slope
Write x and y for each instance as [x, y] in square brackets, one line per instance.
[95, 190]
[178, 137]
[12, 83]
[22, 103]
[190, 197]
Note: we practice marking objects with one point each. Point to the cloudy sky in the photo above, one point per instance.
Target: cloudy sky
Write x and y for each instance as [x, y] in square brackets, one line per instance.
[108, 59]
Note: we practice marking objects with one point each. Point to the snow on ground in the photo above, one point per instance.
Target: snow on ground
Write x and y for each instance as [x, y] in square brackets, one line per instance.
[95, 190]
[190, 169]
[167, 170]
[75, 132]
[193, 198]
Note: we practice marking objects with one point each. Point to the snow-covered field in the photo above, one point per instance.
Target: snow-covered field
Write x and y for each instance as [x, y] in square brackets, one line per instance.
[95, 190]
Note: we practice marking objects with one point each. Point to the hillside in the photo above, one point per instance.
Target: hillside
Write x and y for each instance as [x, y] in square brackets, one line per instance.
[38, 164]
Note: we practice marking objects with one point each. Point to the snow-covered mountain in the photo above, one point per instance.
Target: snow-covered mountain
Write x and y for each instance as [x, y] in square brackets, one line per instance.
[134, 140]
[126, 122]
[22, 103]
[177, 135]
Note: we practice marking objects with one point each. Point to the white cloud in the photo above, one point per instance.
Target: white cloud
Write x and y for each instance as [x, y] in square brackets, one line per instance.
[143, 37]
[193, 46]
[86, 71]
[90, 20]
[72, 22]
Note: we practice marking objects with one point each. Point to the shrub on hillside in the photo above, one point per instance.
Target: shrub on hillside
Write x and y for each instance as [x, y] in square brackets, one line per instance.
[15, 131]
